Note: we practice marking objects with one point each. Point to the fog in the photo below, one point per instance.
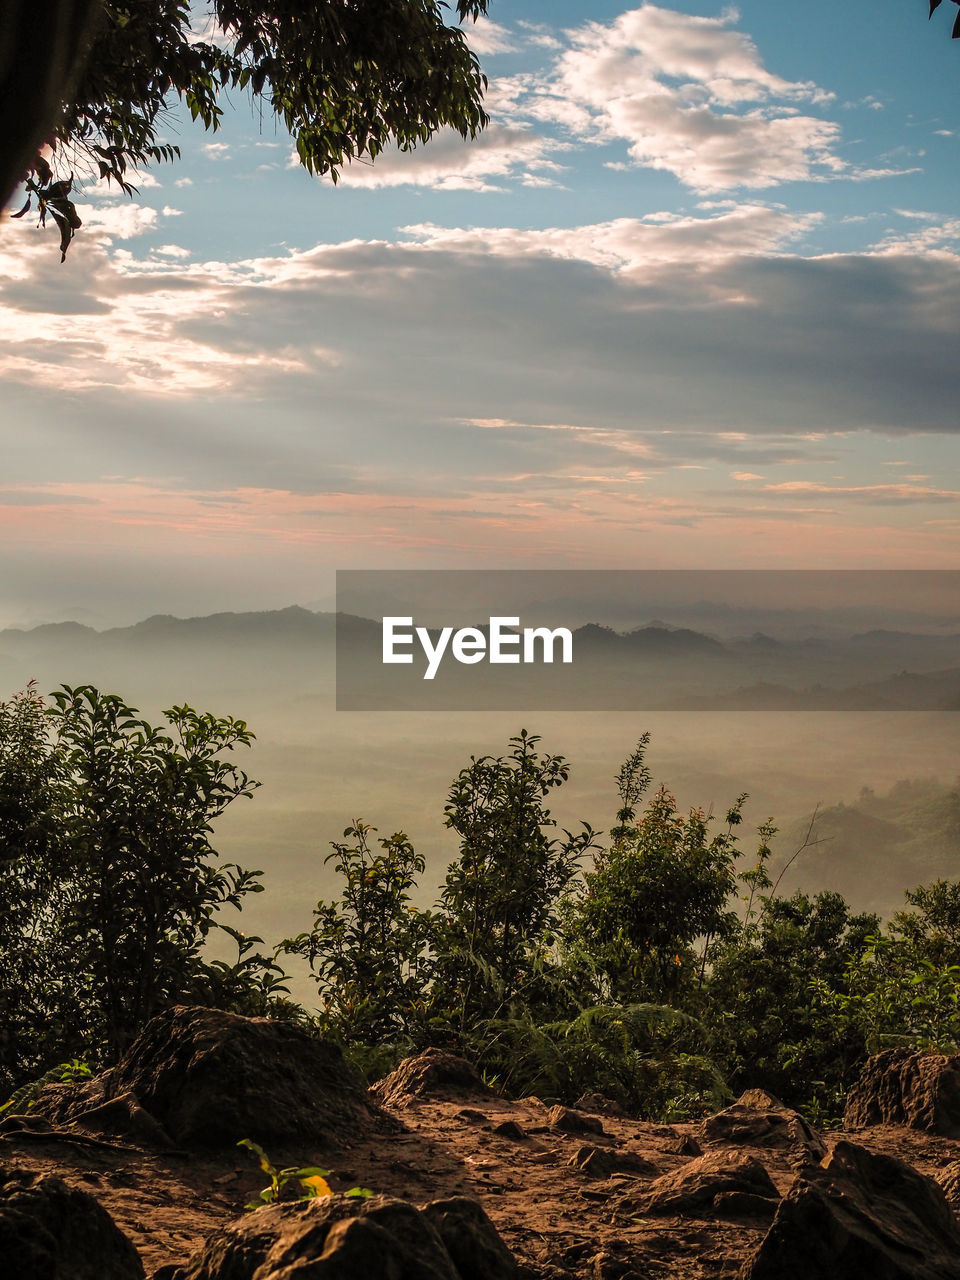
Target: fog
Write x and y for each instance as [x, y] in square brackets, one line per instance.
[321, 768]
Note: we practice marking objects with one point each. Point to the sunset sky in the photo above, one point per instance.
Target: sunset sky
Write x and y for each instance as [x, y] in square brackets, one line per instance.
[693, 300]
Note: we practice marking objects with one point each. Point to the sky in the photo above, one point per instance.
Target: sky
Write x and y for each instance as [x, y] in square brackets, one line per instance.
[691, 301]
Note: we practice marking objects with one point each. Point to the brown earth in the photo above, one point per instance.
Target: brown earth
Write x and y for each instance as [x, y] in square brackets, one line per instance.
[597, 1196]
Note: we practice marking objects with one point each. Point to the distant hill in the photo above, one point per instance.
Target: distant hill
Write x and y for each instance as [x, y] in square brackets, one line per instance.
[876, 847]
[658, 665]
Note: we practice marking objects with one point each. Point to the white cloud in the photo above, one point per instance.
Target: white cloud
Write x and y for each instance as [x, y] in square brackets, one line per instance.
[486, 37]
[448, 163]
[688, 95]
[939, 235]
[120, 221]
[632, 245]
[693, 324]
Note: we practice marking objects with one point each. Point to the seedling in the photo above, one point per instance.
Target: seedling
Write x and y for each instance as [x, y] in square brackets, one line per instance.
[312, 1180]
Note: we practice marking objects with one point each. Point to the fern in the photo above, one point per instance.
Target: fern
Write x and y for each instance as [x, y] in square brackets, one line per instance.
[63, 1073]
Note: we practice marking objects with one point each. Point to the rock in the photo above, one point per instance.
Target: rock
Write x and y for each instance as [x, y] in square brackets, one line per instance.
[432, 1073]
[609, 1266]
[761, 1100]
[212, 1078]
[948, 1178]
[686, 1145]
[599, 1104]
[569, 1121]
[693, 1187]
[472, 1115]
[510, 1129]
[49, 1231]
[123, 1116]
[602, 1163]
[921, 1090]
[758, 1119]
[592, 1161]
[471, 1240]
[62, 1103]
[743, 1204]
[858, 1215]
[14, 1122]
[634, 1163]
[353, 1247]
[343, 1238]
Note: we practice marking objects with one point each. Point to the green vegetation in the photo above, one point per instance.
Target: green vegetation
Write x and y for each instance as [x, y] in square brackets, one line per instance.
[109, 886]
[291, 1183]
[343, 80]
[659, 967]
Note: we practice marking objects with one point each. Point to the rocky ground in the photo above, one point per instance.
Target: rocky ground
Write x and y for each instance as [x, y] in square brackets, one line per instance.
[753, 1192]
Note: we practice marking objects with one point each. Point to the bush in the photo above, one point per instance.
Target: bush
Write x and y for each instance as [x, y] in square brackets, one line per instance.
[109, 886]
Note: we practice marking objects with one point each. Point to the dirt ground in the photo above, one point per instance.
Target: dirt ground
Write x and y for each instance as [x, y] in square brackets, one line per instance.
[558, 1219]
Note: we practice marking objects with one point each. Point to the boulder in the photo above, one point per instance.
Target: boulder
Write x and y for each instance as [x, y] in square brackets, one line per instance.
[86, 1106]
[601, 1162]
[511, 1130]
[685, 1145]
[569, 1121]
[856, 1215]
[743, 1204]
[948, 1178]
[758, 1119]
[921, 1090]
[49, 1231]
[210, 1078]
[432, 1073]
[692, 1189]
[344, 1238]
[471, 1240]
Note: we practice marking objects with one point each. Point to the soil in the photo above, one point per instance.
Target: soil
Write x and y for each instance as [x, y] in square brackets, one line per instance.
[535, 1180]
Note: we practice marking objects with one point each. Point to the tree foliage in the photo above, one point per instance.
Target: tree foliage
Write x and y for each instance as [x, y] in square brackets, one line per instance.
[668, 975]
[343, 77]
[664, 883]
[110, 886]
[935, 5]
[771, 989]
[502, 894]
[43, 49]
[367, 951]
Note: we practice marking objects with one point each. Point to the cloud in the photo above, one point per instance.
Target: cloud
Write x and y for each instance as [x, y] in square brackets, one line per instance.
[117, 221]
[878, 494]
[634, 244]
[687, 323]
[50, 497]
[448, 163]
[486, 37]
[940, 234]
[688, 95]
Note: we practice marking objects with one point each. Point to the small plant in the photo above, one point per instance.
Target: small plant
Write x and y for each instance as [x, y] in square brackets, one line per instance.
[312, 1180]
[71, 1072]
